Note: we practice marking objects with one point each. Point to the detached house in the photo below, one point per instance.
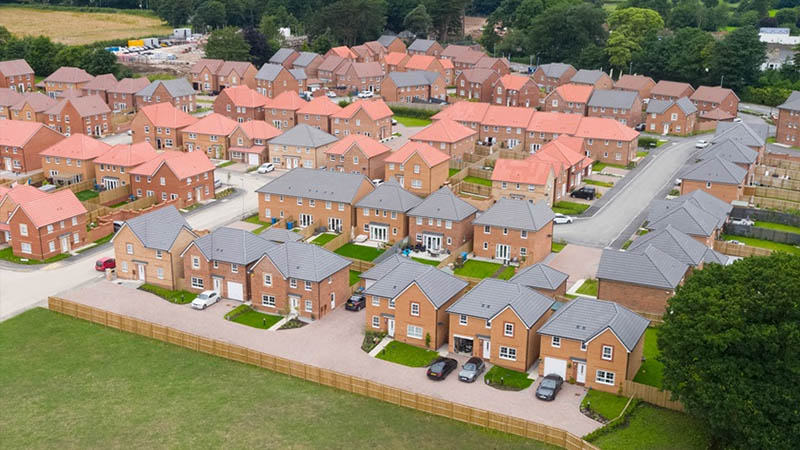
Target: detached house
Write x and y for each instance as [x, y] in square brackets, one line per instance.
[542, 278]
[709, 98]
[410, 301]
[10, 198]
[670, 90]
[596, 343]
[413, 86]
[442, 222]
[680, 246]
[148, 247]
[88, 115]
[527, 179]
[241, 104]
[476, 84]
[567, 156]
[161, 125]
[275, 79]
[448, 136]
[788, 120]
[640, 84]
[315, 198]
[751, 135]
[178, 92]
[497, 320]
[569, 98]
[425, 47]
[17, 75]
[607, 140]
[359, 76]
[175, 175]
[284, 57]
[204, 75]
[392, 44]
[716, 176]
[553, 75]
[356, 153]
[223, 261]
[209, 135]
[317, 113]
[32, 107]
[732, 151]
[595, 78]
[678, 117]
[309, 62]
[121, 96]
[65, 79]
[368, 117]
[21, 145]
[622, 106]
[302, 279]
[112, 168]
[697, 214]
[517, 231]
[516, 90]
[381, 214]
[500, 65]
[71, 160]
[419, 167]
[249, 142]
[214, 75]
[301, 146]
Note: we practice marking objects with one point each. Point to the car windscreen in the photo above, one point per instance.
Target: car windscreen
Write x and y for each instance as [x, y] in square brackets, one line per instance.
[548, 383]
[438, 367]
[202, 297]
[469, 366]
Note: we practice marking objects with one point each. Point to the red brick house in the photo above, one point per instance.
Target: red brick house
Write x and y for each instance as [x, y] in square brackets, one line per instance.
[476, 84]
[709, 98]
[514, 231]
[595, 78]
[448, 136]
[671, 90]
[529, 179]
[100, 85]
[607, 140]
[717, 176]
[209, 135]
[506, 125]
[678, 117]
[622, 106]
[417, 85]
[358, 77]
[21, 144]
[204, 75]
[309, 62]
[569, 98]
[342, 52]
[249, 142]
[112, 168]
[326, 71]
[121, 97]
[47, 226]
[568, 153]
[392, 43]
[381, 214]
[89, 115]
[542, 278]
[65, 79]
[442, 222]
[178, 92]
[275, 79]
[418, 167]
[8, 98]
[281, 112]
[640, 84]
[317, 113]
[9, 199]
[285, 57]
[371, 118]
[552, 75]
[500, 65]
[394, 62]
[236, 73]
[356, 153]
[516, 90]
[175, 175]
[71, 160]
[301, 146]
[241, 104]
[449, 71]
[424, 62]
[547, 126]
[17, 75]
[425, 47]
[32, 107]
[161, 125]
[788, 120]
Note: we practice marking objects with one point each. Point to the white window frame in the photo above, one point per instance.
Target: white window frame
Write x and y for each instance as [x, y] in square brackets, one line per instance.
[555, 341]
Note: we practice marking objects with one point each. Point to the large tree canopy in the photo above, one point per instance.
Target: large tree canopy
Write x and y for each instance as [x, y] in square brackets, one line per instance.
[229, 44]
[730, 345]
[629, 27]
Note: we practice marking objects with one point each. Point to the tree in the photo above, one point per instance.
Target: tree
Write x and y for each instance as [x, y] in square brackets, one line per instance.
[352, 21]
[396, 12]
[418, 21]
[729, 345]
[175, 12]
[447, 16]
[210, 13]
[98, 61]
[562, 31]
[261, 49]
[322, 43]
[660, 6]
[229, 44]
[629, 27]
[737, 58]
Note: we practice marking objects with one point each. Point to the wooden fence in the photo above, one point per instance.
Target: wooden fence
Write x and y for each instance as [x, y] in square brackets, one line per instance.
[782, 161]
[776, 193]
[451, 258]
[367, 388]
[465, 187]
[651, 394]
[359, 265]
[780, 183]
[34, 178]
[774, 203]
[337, 242]
[740, 250]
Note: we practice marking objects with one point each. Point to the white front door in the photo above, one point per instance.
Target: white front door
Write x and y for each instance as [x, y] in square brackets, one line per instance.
[333, 300]
[581, 368]
[294, 303]
[400, 180]
[8, 163]
[235, 291]
[217, 284]
[501, 252]
[666, 128]
[487, 349]
[97, 130]
[64, 244]
[140, 269]
[378, 233]
[291, 163]
[390, 327]
[252, 159]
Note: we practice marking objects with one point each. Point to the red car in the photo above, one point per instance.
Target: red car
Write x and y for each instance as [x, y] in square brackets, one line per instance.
[105, 263]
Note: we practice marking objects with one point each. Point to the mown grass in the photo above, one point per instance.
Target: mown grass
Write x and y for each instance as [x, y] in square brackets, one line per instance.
[354, 277]
[509, 380]
[476, 180]
[599, 183]
[361, 252]
[8, 255]
[324, 238]
[429, 262]
[412, 121]
[86, 195]
[607, 405]
[761, 243]
[778, 227]
[569, 208]
[407, 355]
[179, 297]
[589, 287]
[452, 172]
[652, 371]
[556, 247]
[255, 319]
[477, 269]
[653, 428]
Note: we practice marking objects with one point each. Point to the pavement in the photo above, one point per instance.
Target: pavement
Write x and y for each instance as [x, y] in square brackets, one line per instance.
[577, 261]
[335, 343]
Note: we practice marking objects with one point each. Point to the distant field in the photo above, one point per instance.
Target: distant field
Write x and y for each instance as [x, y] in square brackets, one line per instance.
[72, 27]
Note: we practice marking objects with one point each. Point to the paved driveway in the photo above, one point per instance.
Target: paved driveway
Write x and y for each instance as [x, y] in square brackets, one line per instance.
[335, 343]
[578, 261]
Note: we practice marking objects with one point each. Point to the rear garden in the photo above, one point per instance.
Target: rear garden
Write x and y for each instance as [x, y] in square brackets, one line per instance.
[256, 221]
[362, 252]
[761, 243]
[484, 269]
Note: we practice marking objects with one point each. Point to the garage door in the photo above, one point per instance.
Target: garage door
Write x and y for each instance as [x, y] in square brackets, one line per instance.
[235, 291]
[252, 159]
[556, 366]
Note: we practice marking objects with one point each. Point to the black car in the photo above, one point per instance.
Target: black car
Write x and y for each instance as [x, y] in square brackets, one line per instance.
[441, 367]
[639, 127]
[586, 192]
[549, 387]
[355, 302]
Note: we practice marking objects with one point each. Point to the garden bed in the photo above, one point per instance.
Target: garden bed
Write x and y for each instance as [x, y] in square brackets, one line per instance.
[371, 340]
[179, 297]
[292, 324]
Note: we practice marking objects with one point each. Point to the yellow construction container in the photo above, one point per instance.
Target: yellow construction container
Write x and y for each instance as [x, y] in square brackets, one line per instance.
[136, 43]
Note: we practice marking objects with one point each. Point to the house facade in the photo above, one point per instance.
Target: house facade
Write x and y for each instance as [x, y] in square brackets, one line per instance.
[418, 167]
[382, 214]
[241, 104]
[275, 79]
[514, 231]
[301, 146]
[89, 115]
[17, 75]
[516, 90]
[317, 113]
[441, 222]
[552, 75]
[112, 168]
[678, 117]
[371, 118]
[47, 226]
[476, 84]
[70, 160]
[209, 135]
[175, 175]
[160, 125]
[178, 92]
[569, 98]
[357, 153]
[622, 106]
[21, 144]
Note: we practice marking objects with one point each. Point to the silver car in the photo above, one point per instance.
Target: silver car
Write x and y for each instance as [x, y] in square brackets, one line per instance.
[470, 371]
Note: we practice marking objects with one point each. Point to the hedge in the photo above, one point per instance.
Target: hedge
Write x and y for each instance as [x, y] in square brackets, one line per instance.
[417, 113]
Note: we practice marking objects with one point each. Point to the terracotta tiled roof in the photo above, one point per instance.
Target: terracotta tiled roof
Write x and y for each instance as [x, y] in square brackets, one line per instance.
[477, 75]
[453, 50]
[69, 75]
[508, 116]
[104, 82]
[446, 63]
[15, 67]
[253, 149]
[240, 67]
[244, 96]
[258, 129]
[52, 208]
[287, 100]
[366, 144]
[713, 94]
[554, 122]
[717, 114]
[167, 116]
[77, 146]
[38, 101]
[375, 109]
[16, 133]
[514, 82]
[130, 85]
[633, 82]
[577, 93]
[182, 164]
[321, 106]
[23, 193]
[463, 111]
[343, 52]
[529, 171]
[213, 124]
[419, 62]
[470, 57]
[560, 150]
[670, 88]
[212, 64]
[368, 69]
[394, 58]
[602, 128]
[488, 62]
[127, 155]
[430, 155]
[89, 105]
[444, 130]
[10, 97]
[331, 63]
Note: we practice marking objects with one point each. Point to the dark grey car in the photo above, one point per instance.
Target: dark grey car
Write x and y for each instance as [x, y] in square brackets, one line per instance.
[471, 370]
[549, 387]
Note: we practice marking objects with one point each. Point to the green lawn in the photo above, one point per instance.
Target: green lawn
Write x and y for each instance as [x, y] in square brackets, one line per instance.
[772, 140]
[778, 226]
[256, 319]
[453, 172]
[179, 297]
[354, 277]
[627, 244]
[569, 208]
[556, 247]
[598, 166]
[599, 183]
[8, 255]
[255, 220]
[86, 195]
[642, 232]
[652, 371]
[477, 269]
[324, 238]
[506, 379]
[476, 180]
[589, 287]
[775, 246]
[412, 121]
[361, 252]
[607, 405]
[653, 428]
[117, 205]
[507, 273]
[641, 154]
[68, 383]
[407, 355]
[429, 262]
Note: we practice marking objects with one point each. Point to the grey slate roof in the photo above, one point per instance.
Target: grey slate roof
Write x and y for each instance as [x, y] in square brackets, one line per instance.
[391, 197]
[707, 203]
[438, 286]
[684, 216]
[269, 71]
[754, 135]
[280, 56]
[713, 256]
[413, 78]
[715, 170]
[491, 296]
[232, 245]
[659, 106]
[729, 150]
[610, 98]
[160, 228]
[586, 76]
[298, 74]
[304, 59]
[421, 45]
[672, 242]
[317, 184]
[540, 276]
[305, 261]
[686, 105]
[379, 270]
[178, 87]
[554, 70]
[303, 135]
[647, 267]
[517, 214]
[386, 40]
[583, 318]
[443, 204]
[280, 235]
[791, 103]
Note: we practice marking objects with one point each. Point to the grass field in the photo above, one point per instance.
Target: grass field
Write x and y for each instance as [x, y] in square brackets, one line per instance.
[412, 121]
[407, 355]
[74, 27]
[656, 428]
[361, 252]
[598, 167]
[67, 383]
[651, 372]
[778, 226]
[607, 405]
[775, 246]
[477, 269]
[255, 319]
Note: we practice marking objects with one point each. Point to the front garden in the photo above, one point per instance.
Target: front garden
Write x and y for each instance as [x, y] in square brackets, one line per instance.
[179, 297]
[507, 380]
[407, 355]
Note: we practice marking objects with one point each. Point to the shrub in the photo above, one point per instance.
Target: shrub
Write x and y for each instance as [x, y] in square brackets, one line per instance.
[646, 141]
[417, 113]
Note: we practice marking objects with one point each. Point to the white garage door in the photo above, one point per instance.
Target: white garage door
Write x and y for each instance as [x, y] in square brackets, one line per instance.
[235, 291]
[556, 366]
[252, 159]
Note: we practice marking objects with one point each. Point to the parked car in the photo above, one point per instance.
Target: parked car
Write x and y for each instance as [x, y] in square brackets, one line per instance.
[747, 222]
[105, 263]
[678, 181]
[561, 218]
[441, 367]
[586, 193]
[394, 122]
[205, 299]
[266, 168]
[735, 242]
[377, 182]
[737, 120]
[639, 127]
[217, 184]
[549, 387]
[471, 370]
[331, 94]
[355, 303]
[702, 143]
[365, 94]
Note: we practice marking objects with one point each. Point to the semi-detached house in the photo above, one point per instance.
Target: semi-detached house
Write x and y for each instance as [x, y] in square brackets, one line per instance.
[178, 92]
[413, 86]
[623, 106]
[527, 179]
[382, 216]
[716, 176]
[100, 85]
[516, 90]
[31, 107]
[788, 120]
[209, 135]
[418, 167]
[569, 98]
[300, 146]
[89, 115]
[698, 214]
[70, 160]
[161, 125]
[175, 175]
[640, 84]
[552, 75]
[448, 136]
[112, 168]
[121, 97]
[442, 222]
[21, 144]
[356, 153]
[17, 75]
[595, 78]
[8, 98]
[514, 231]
